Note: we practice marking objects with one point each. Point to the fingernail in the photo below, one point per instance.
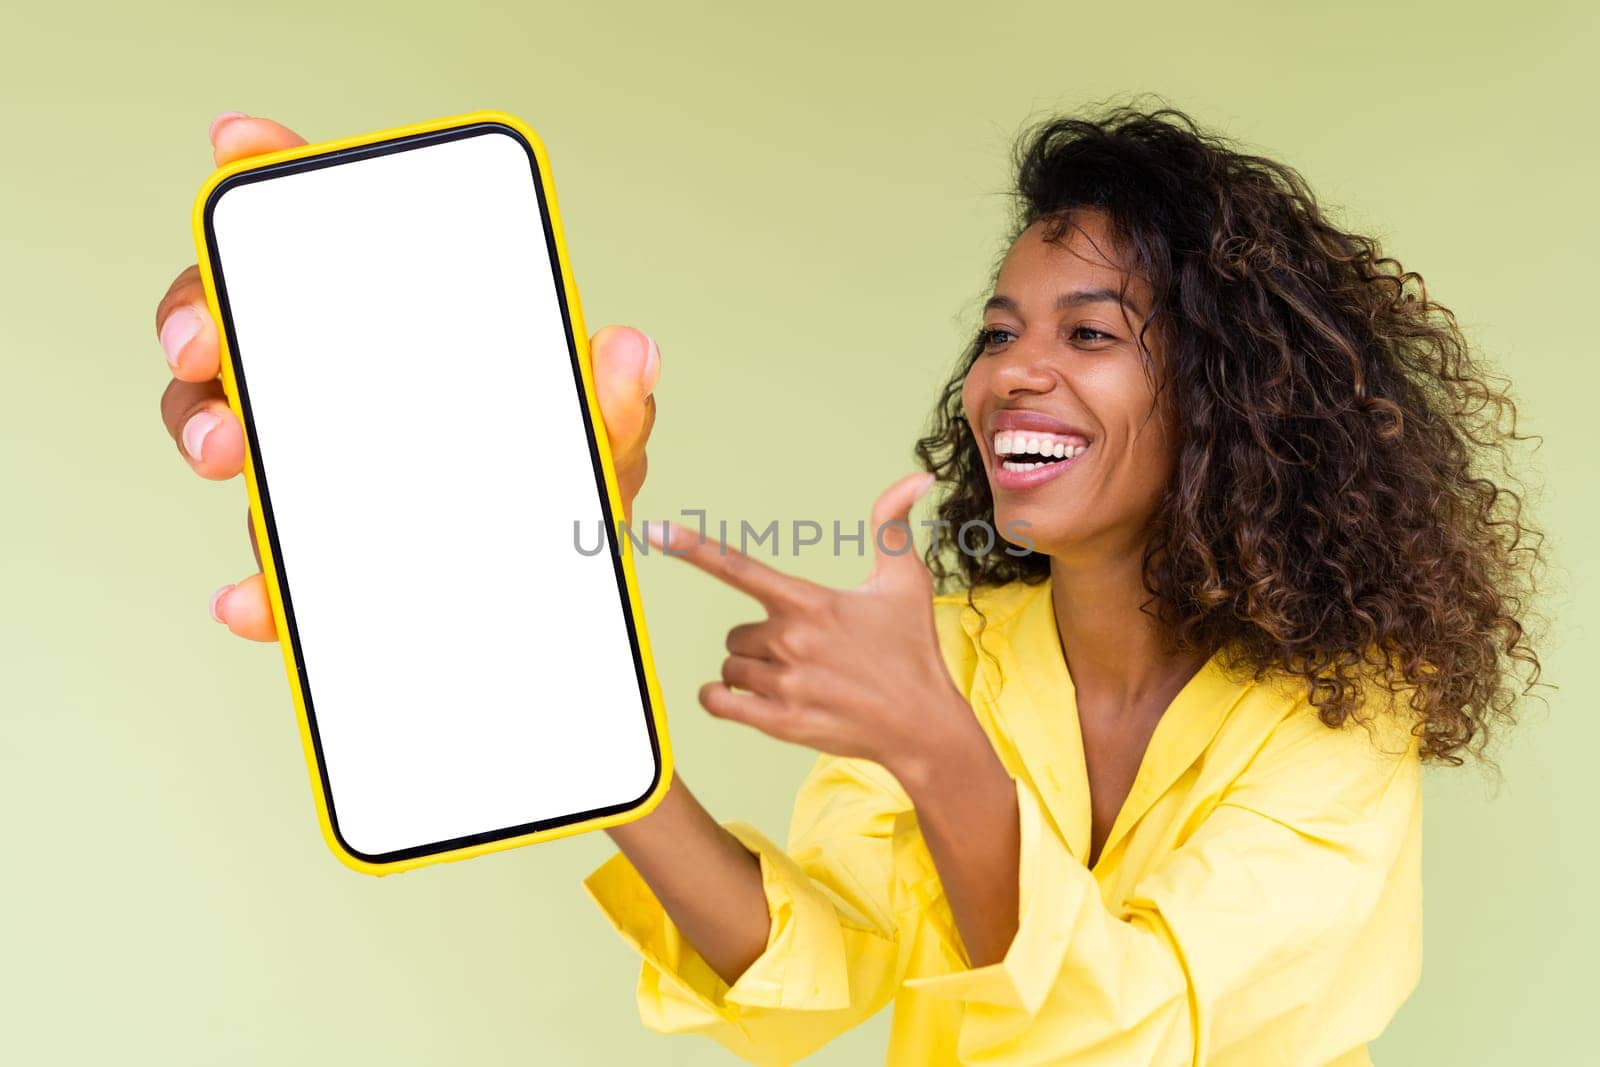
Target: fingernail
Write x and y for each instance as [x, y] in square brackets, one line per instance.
[220, 119]
[195, 431]
[177, 331]
[652, 366]
[656, 534]
[216, 602]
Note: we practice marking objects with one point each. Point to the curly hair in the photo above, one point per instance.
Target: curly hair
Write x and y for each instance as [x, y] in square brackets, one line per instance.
[1339, 498]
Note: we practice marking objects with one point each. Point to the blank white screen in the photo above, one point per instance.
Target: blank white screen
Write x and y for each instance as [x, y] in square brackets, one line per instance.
[401, 348]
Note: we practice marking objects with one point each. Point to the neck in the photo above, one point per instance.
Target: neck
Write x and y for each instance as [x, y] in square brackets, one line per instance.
[1115, 653]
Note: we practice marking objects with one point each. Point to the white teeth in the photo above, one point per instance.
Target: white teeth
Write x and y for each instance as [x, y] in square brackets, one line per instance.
[1051, 446]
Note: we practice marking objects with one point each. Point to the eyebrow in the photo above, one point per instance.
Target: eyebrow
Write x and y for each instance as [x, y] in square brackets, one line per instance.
[1072, 298]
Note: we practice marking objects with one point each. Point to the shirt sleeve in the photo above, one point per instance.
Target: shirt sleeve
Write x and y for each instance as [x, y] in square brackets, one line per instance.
[1258, 940]
[831, 959]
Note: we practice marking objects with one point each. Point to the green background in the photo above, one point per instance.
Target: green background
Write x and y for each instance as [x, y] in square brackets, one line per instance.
[801, 202]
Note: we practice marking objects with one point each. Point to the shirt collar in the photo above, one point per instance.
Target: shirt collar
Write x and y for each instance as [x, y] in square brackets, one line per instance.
[1022, 683]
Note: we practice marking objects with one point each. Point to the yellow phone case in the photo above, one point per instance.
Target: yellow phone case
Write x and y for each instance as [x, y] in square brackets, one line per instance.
[270, 570]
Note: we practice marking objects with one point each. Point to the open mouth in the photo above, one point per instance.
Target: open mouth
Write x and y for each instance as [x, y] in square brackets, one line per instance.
[1021, 451]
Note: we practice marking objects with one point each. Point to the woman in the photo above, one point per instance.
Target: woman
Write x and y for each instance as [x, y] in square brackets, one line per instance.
[1144, 787]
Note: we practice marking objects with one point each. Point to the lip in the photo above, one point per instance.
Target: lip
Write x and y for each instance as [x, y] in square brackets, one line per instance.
[1010, 419]
[1016, 481]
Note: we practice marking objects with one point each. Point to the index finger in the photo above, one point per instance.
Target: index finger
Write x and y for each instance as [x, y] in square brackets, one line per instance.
[767, 584]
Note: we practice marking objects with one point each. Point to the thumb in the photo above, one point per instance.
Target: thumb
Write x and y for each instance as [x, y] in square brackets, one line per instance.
[895, 558]
[235, 135]
[626, 365]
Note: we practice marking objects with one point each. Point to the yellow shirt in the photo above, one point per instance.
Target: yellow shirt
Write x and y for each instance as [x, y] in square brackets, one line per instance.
[1257, 902]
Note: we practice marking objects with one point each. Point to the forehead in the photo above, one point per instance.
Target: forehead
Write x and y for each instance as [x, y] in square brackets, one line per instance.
[1085, 254]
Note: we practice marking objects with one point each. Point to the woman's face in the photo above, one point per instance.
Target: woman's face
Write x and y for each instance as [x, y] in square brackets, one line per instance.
[1060, 400]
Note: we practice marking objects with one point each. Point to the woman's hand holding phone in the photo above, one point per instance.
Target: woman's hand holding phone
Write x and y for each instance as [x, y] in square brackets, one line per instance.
[210, 438]
[708, 882]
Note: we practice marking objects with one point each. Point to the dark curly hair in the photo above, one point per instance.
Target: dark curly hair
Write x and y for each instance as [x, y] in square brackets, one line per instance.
[1339, 497]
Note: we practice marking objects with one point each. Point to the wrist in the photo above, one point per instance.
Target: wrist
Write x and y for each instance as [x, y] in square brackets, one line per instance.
[951, 755]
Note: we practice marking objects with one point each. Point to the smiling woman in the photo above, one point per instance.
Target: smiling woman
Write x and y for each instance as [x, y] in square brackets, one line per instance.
[1099, 796]
[1298, 439]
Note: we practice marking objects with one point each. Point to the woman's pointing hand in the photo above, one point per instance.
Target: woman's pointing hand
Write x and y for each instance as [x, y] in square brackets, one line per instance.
[851, 672]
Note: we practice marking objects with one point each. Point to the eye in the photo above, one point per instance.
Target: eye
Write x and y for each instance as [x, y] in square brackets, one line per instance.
[987, 337]
[1089, 333]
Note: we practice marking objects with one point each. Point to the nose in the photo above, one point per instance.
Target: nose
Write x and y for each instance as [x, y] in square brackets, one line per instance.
[1021, 368]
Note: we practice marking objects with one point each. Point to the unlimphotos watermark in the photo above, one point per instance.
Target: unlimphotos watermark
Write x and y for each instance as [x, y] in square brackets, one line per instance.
[975, 537]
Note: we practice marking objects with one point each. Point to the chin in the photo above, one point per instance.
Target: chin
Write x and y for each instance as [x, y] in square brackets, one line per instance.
[1026, 528]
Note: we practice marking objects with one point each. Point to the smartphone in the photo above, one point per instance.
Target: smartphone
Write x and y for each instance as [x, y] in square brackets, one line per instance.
[432, 491]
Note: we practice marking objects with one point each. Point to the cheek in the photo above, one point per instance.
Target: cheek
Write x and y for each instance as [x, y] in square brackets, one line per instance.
[1152, 461]
[1148, 440]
